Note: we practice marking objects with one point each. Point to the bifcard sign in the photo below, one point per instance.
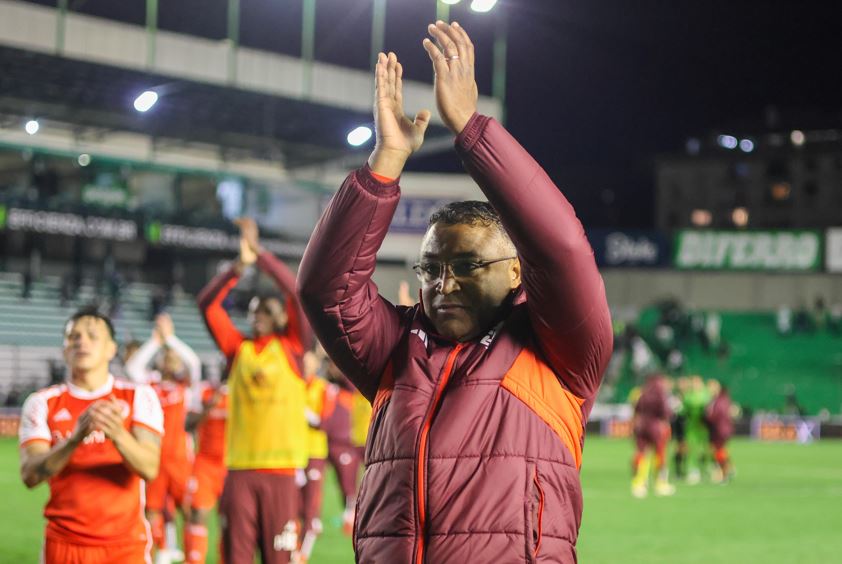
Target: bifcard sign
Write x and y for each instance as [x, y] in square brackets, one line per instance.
[203, 238]
[748, 250]
[613, 248]
[128, 230]
[67, 224]
[833, 250]
[191, 237]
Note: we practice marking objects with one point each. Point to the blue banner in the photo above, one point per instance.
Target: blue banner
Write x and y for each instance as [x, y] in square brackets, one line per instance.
[616, 248]
[413, 214]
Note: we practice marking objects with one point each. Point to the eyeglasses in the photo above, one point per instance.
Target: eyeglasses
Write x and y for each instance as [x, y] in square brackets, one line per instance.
[433, 271]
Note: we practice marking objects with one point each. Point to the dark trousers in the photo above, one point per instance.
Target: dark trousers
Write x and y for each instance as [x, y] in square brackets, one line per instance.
[311, 493]
[259, 509]
[346, 461]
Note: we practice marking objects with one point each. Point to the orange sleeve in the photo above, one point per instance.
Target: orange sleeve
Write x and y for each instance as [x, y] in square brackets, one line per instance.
[228, 338]
[382, 179]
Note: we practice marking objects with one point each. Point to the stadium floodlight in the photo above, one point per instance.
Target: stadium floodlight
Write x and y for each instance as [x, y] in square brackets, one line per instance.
[727, 141]
[694, 146]
[740, 217]
[483, 5]
[32, 126]
[747, 145]
[701, 217]
[359, 135]
[145, 101]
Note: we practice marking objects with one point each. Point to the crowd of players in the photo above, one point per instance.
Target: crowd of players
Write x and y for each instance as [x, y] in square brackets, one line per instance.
[263, 437]
[699, 415]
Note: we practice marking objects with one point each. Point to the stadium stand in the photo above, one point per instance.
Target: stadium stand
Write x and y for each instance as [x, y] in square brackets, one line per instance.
[764, 370]
[30, 329]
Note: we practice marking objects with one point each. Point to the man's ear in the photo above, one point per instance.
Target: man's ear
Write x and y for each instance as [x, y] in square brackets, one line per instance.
[113, 349]
[514, 274]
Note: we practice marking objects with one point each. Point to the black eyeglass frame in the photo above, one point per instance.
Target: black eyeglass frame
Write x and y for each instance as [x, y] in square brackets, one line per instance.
[473, 265]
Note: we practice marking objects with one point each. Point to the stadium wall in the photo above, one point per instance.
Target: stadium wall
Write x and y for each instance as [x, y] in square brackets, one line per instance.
[738, 291]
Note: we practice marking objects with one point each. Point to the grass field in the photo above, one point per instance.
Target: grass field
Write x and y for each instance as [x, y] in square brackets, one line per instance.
[785, 506]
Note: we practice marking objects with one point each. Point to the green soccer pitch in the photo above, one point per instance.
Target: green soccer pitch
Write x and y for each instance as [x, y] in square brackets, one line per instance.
[783, 507]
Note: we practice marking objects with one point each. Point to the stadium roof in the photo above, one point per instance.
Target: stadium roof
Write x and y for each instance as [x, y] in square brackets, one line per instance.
[99, 96]
[90, 75]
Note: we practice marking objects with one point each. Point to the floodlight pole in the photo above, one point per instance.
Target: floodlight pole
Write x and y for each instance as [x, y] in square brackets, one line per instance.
[151, 31]
[308, 40]
[378, 29]
[61, 24]
[233, 38]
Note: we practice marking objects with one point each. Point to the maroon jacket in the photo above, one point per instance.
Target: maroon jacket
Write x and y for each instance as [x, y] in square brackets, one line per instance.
[474, 448]
[652, 414]
[654, 401]
[718, 417]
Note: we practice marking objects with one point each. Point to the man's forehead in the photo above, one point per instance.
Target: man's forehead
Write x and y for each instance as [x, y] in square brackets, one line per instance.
[267, 304]
[170, 354]
[86, 323]
[459, 241]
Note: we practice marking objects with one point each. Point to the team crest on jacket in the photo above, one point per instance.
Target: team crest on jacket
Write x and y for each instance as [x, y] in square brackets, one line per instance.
[421, 335]
[491, 335]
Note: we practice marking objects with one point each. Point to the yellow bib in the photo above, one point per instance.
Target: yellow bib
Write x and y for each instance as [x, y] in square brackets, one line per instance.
[360, 417]
[317, 439]
[267, 427]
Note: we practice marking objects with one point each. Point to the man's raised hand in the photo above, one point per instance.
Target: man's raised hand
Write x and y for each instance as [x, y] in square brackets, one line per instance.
[249, 232]
[397, 135]
[164, 326]
[453, 62]
[249, 241]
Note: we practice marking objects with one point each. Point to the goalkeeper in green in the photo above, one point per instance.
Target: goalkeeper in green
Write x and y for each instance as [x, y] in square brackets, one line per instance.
[694, 404]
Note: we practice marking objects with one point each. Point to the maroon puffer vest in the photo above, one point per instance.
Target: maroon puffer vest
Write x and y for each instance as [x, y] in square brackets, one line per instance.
[472, 454]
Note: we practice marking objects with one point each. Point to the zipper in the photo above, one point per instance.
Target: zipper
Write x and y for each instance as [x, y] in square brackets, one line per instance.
[540, 523]
[421, 470]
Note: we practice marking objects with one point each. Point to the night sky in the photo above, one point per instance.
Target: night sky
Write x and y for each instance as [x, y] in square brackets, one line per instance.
[614, 83]
[596, 88]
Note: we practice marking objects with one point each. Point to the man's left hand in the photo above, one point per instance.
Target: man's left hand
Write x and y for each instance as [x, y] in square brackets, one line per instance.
[453, 62]
[108, 416]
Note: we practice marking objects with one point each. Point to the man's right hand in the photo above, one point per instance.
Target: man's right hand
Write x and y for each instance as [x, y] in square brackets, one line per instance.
[164, 327]
[397, 135]
[249, 232]
[249, 241]
[85, 425]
